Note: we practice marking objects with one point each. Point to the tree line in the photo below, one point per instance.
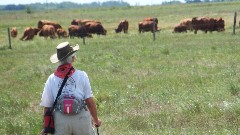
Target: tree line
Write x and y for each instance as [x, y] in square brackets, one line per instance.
[63, 5]
[194, 1]
[69, 5]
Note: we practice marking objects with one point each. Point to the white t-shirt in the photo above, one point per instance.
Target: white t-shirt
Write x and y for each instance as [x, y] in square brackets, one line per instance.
[78, 84]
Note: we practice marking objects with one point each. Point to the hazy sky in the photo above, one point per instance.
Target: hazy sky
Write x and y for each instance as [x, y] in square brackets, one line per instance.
[131, 2]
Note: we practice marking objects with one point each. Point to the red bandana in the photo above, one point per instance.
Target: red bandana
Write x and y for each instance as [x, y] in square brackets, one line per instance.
[62, 70]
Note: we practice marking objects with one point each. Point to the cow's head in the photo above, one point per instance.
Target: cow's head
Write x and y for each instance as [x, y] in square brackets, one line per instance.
[118, 30]
[104, 32]
[219, 23]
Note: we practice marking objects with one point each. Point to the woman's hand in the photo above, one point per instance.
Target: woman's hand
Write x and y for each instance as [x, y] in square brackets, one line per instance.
[98, 123]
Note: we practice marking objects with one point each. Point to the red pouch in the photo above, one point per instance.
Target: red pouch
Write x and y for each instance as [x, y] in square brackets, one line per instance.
[68, 105]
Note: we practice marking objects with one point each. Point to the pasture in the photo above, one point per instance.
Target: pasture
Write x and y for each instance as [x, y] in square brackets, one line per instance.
[181, 83]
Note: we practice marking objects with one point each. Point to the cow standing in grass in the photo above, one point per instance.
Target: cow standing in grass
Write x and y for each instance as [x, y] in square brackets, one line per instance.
[29, 33]
[183, 26]
[148, 24]
[187, 22]
[180, 28]
[122, 26]
[62, 33]
[48, 31]
[41, 23]
[95, 28]
[91, 27]
[207, 24]
[14, 32]
[77, 31]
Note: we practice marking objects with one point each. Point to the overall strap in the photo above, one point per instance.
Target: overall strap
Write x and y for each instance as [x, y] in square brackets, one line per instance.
[60, 90]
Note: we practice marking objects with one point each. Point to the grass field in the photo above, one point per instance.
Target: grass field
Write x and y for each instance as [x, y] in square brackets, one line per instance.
[178, 84]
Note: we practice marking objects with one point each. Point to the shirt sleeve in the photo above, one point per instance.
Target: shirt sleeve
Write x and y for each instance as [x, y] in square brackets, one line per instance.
[47, 96]
[87, 87]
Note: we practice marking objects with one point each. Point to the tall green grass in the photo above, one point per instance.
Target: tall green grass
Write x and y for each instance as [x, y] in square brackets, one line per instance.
[178, 84]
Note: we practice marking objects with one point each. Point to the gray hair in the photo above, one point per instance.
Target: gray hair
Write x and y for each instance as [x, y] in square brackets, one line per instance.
[69, 59]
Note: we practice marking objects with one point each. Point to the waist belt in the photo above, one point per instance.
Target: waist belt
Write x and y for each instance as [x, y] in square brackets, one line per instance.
[70, 105]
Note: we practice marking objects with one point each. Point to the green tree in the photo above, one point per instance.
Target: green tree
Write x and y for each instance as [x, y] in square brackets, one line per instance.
[28, 10]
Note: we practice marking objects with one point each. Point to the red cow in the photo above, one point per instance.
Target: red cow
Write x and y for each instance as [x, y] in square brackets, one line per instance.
[123, 25]
[48, 31]
[207, 24]
[14, 32]
[95, 28]
[62, 33]
[180, 28]
[77, 31]
[187, 22]
[29, 33]
[151, 19]
[41, 23]
[219, 24]
[146, 26]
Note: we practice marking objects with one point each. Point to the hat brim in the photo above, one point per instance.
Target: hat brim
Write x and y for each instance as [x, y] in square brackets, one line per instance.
[54, 58]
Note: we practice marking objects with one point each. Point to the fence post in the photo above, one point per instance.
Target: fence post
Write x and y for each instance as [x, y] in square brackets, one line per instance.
[84, 40]
[154, 30]
[234, 22]
[9, 39]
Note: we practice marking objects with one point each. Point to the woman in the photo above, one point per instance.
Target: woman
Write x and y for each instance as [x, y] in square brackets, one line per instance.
[73, 119]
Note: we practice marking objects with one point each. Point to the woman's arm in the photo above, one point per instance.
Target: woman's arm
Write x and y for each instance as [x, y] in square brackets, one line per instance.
[93, 111]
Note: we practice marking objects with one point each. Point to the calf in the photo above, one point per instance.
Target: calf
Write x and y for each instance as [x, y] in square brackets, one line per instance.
[14, 32]
[62, 33]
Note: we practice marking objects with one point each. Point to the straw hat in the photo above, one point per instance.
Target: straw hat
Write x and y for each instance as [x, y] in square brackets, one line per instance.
[63, 51]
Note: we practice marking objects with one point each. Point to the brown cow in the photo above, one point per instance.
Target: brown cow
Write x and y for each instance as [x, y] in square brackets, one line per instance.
[202, 23]
[123, 25]
[95, 28]
[146, 26]
[77, 31]
[82, 22]
[41, 23]
[62, 33]
[187, 22]
[152, 19]
[219, 24]
[29, 33]
[48, 31]
[180, 28]
[14, 32]
[207, 24]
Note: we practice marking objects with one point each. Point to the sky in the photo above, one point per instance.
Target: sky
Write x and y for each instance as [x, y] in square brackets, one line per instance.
[131, 2]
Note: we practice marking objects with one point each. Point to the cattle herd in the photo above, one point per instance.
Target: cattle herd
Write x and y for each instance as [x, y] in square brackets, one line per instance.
[85, 28]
